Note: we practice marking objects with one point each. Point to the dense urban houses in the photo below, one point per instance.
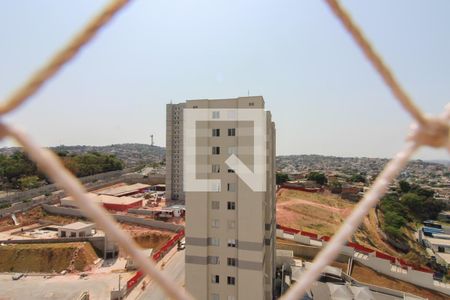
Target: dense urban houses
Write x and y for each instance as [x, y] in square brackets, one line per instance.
[230, 229]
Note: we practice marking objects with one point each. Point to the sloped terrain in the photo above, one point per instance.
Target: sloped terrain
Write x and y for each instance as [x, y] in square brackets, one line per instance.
[148, 237]
[33, 216]
[323, 213]
[46, 258]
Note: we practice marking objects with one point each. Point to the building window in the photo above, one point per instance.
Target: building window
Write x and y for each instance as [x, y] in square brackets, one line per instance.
[213, 260]
[215, 204]
[215, 279]
[251, 104]
[231, 131]
[232, 115]
[216, 132]
[231, 205]
[232, 150]
[195, 106]
[216, 114]
[215, 223]
[231, 224]
[215, 150]
[231, 261]
[231, 187]
[215, 297]
[232, 243]
[215, 168]
[215, 186]
[214, 242]
[230, 171]
[231, 280]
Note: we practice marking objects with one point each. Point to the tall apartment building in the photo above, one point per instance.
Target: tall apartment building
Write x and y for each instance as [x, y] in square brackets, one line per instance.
[174, 151]
[230, 232]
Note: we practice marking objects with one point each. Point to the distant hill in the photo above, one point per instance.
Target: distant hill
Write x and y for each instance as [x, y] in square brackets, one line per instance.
[130, 154]
[352, 165]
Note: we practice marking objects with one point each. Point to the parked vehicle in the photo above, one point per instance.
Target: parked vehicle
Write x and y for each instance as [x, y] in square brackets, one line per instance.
[17, 276]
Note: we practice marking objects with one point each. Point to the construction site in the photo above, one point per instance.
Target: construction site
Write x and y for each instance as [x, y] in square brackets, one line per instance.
[306, 220]
[55, 242]
[323, 213]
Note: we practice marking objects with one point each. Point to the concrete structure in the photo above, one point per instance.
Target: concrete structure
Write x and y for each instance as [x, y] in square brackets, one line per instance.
[77, 229]
[438, 242]
[334, 284]
[134, 265]
[109, 202]
[174, 152]
[230, 233]
[444, 216]
[373, 259]
[124, 190]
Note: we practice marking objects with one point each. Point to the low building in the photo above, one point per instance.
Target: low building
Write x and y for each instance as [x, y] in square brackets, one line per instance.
[159, 187]
[77, 229]
[125, 190]
[438, 241]
[132, 264]
[444, 216]
[109, 202]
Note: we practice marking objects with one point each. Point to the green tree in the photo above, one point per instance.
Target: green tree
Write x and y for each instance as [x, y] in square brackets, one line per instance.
[414, 203]
[405, 187]
[358, 178]
[336, 187]
[281, 178]
[318, 177]
[28, 182]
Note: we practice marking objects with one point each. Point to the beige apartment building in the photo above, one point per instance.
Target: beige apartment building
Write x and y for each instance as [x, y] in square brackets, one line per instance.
[174, 151]
[230, 231]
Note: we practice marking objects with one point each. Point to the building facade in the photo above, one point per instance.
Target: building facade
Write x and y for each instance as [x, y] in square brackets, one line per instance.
[230, 233]
[174, 151]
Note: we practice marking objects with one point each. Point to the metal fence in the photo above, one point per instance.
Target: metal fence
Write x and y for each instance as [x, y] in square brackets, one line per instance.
[427, 131]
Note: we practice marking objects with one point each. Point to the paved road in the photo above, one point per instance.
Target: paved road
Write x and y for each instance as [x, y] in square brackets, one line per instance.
[174, 268]
[58, 287]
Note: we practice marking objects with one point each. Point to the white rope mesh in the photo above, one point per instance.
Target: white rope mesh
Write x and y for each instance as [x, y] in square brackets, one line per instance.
[430, 131]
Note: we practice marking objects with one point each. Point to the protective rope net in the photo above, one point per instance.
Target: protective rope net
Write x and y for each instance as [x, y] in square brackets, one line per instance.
[430, 131]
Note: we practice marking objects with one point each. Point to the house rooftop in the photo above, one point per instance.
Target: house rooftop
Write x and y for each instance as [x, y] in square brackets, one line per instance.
[78, 226]
[124, 189]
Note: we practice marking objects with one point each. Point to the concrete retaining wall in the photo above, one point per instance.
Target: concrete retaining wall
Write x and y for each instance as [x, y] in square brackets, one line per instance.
[140, 211]
[24, 206]
[149, 223]
[90, 182]
[308, 252]
[381, 265]
[65, 211]
[121, 218]
[98, 242]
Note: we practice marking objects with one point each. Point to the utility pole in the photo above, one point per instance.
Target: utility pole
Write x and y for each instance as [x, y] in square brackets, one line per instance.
[120, 293]
[151, 136]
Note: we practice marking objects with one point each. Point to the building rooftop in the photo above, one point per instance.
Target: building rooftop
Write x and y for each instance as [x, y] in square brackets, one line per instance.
[444, 256]
[105, 199]
[435, 241]
[124, 189]
[77, 226]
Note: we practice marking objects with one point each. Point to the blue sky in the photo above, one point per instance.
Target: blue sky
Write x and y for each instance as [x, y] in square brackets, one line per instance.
[324, 96]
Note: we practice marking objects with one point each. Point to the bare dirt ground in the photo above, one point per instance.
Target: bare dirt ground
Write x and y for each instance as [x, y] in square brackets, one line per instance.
[368, 275]
[148, 237]
[323, 213]
[318, 213]
[46, 258]
[34, 216]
